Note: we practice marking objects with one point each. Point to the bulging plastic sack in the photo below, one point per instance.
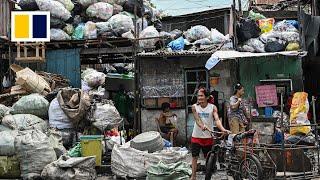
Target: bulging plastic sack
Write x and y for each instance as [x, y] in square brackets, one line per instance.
[217, 37]
[255, 16]
[100, 10]
[68, 4]
[121, 24]
[285, 26]
[94, 78]
[28, 5]
[293, 47]
[69, 29]
[117, 9]
[57, 23]
[246, 29]
[128, 35]
[147, 33]
[106, 116]
[56, 9]
[86, 3]
[265, 37]
[90, 30]
[266, 25]
[103, 27]
[78, 33]
[275, 46]
[256, 44]
[59, 35]
[197, 32]
[177, 44]
[129, 6]
[31, 104]
[204, 41]
[290, 36]
[142, 23]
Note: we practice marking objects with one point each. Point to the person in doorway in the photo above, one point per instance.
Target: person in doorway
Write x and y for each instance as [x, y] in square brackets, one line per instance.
[166, 120]
[206, 116]
[238, 117]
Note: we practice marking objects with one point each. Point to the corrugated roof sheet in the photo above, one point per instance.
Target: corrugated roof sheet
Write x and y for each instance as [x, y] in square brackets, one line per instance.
[172, 54]
[267, 1]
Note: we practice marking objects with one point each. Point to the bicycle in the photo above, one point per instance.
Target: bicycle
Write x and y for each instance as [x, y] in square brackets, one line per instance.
[240, 163]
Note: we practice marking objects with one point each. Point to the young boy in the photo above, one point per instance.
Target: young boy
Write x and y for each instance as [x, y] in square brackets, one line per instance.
[165, 120]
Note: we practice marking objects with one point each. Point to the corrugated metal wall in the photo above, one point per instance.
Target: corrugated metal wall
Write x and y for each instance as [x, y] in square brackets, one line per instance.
[5, 15]
[65, 62]
[252, 70]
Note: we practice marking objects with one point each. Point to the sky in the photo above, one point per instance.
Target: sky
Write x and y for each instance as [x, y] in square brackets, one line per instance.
[179, 7]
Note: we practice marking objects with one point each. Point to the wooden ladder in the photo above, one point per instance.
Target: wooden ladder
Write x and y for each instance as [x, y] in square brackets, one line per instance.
[36, 50]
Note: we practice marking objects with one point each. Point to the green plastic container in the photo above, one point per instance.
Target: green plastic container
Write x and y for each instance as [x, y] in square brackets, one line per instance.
[91, 146]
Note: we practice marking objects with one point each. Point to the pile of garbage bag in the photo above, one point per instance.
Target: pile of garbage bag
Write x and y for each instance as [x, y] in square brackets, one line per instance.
[68, 15]
[260, 34]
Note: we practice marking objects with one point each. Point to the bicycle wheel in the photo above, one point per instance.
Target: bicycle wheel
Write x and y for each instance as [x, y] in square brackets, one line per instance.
[210, 165]
[250, 168]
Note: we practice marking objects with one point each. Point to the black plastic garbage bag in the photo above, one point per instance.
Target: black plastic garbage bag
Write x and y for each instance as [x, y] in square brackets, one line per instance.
[57, 23]
[28, 5]
[247, 29]
[129, 7]
[275, 46]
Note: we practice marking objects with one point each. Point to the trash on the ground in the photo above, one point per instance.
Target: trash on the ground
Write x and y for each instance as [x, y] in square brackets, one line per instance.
[75, 151]
[100, 10]
[56, 142]
[9, 167]
[130, 162]
[106, 116]
[179, 170]
[4, 128]
[31, 81]
[149, 32]
[90, 30]
[57, 118]
[58, 35]
[148, 141]
[31, 104]
[74, 104]
[23, 122]
[56, 9]
[121, 23]
[66, 168]
[7, 147]
[100, 92]
[114, 140]
[197, 32]
[34, 152]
